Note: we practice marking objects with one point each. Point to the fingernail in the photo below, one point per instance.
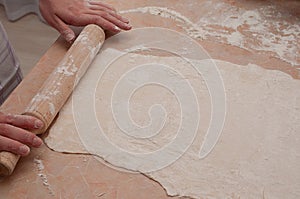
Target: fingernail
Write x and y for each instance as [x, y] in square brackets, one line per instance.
[36, 142]
[125, 19]
[128, 26]
[38, 124]
[116, 28]
[24, 150]
[70, 37]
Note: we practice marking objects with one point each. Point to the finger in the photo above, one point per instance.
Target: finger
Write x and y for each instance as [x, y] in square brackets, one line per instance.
[100, 12]
[124, 19]
[117, 22]
[7, 144]
[100, 21]
[59, 25]
[109, 34]
[100, 4]
[2, 117]
[100, 17]
[20, 135]
[63, 29]
[23, 121]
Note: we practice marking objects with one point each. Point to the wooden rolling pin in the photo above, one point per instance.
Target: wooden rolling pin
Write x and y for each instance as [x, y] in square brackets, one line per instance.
[57, 88]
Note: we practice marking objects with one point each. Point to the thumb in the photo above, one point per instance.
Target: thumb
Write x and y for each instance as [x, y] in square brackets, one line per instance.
[68, 34]
[64, 29]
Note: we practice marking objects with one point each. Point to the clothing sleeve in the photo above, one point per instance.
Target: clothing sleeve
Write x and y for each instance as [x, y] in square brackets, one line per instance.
[10, 72]
[16, 9]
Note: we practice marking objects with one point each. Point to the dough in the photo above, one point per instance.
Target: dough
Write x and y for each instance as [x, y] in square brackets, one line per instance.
[133, 104]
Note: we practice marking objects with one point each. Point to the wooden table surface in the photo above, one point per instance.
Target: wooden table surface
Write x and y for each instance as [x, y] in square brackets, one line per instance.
[83, 176]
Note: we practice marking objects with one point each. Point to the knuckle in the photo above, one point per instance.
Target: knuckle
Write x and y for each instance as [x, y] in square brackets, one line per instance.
[74, 15]
[71, 19]
[9, 118]
[4, 117]
[29, 121]
[105, 14]
[109, 7]
[4, 128]
[28, 137]
[103, 24]
[8, 145]
[98, 20]
[79, 17]
[74, 10]
[11, 147]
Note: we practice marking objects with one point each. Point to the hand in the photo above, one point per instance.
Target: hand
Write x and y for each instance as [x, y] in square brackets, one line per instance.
[14, 134]
[61, 13]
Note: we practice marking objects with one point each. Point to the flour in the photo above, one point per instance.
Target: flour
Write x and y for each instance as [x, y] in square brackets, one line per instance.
[56, 92]
[260, 30]
[39, 164]
[67, 70]
[253, 139]
[137, 48]
[192, 29]
[51, 108]
[40, 168]
[40, 97]
[83, 38]
[43, 97]
[242, 162]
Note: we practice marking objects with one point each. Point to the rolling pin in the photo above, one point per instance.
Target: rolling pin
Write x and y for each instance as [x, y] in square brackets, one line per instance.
[57, 88]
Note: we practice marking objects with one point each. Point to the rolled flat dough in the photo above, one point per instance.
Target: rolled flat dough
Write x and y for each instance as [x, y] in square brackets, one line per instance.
[256, 156]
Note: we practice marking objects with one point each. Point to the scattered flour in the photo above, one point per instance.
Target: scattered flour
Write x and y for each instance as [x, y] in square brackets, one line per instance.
[40, 168]
[39, 164]
[52, 108]
[192, 29]
[67, 70]
[40, 97]
[262, 29]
